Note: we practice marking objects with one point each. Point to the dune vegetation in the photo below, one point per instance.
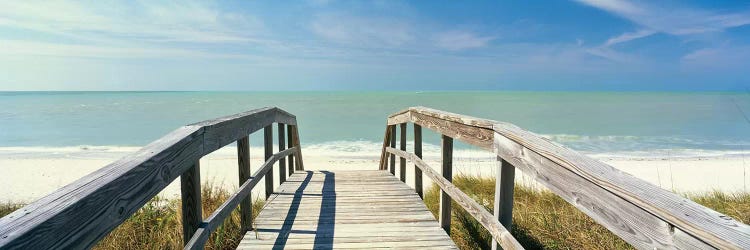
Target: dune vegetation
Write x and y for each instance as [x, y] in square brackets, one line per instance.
[541, 220]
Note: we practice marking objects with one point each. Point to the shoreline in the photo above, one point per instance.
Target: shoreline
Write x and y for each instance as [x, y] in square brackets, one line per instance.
[27, 174]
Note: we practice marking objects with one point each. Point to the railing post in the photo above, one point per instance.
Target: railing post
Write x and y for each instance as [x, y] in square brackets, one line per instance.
[384, 154]
[290, 142]
[268, 148]
[402, 137]
[190, 187]
[504, 185]
[299, 164]
[282, 146]
[392, 166]
[447, 170]
[243, 161]
[418, 152]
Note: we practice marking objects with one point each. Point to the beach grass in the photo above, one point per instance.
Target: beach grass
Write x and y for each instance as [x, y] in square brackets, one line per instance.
[541, 220]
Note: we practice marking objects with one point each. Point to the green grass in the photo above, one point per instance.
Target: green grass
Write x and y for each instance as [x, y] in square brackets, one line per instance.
[541, 220]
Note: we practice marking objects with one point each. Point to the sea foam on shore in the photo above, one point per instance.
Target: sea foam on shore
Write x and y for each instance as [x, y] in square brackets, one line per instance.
[29, 173]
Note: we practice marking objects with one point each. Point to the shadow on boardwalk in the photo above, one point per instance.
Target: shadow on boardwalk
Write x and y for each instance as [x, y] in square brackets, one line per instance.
[327, 217]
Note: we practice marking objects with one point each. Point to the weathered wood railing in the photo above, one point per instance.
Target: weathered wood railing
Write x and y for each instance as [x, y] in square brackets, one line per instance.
[642, 214]
[80, 214]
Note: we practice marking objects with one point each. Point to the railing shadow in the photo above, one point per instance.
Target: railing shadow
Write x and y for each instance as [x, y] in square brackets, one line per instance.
[291, 214]
[326, 217]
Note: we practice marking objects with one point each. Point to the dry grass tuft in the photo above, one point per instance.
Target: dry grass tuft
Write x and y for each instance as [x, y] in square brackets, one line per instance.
[542, 220]
[158, 225]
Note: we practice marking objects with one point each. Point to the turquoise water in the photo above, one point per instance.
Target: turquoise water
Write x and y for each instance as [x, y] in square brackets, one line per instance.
[595, 122]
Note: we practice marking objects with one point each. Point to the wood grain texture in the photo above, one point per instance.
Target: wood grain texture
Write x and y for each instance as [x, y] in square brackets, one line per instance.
[79, 214]
[268, 152]
[642, 214]
[225, 130]
[325, 210]
[245, 173]
[226, 208]
[402, 145]
[282, 147]
[418, 152]
[383, 154]
[300, 164]
[499, 233]
[392, 166]
[190, 190]
[446, 159]
[467, 129]
[290, 142]
[504, 186]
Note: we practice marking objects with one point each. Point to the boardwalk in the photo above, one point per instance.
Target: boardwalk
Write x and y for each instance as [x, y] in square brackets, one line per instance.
[345, 209]
[362, 209]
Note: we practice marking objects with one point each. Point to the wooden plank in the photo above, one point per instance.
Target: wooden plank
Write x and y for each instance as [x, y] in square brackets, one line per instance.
[418, 152]
[268, 149]
[499, 233]
[642, 214]
[190, 189]
[444, 214]
[290, 142]
[468, 129]
[243, 162]
[225, 130]
[392, 166]
[402, 165]
[300, 163]
[337, 214]
[400, 117]
[222, 212]
[282, 147]
[81, 213]
[383, 154]
[504, 185]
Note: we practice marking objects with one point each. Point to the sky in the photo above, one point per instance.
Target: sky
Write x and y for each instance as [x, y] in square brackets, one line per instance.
[550, 45]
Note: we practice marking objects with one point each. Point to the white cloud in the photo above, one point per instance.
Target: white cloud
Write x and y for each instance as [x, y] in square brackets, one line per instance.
[362, 31]
[658, 17]
[20, 47]
[460, 40]
[671, 19]
[118, 21]
[628, 36]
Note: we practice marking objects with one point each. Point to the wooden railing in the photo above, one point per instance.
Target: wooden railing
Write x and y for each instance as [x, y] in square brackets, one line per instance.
[640, 213]
[80, 214]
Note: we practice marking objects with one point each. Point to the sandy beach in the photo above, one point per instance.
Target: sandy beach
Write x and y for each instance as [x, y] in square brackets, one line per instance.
[30, 174]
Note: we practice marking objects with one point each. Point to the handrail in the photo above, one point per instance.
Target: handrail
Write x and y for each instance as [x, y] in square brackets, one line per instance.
[640, 213]
[222, 212]
[498, 231]
[79, 214]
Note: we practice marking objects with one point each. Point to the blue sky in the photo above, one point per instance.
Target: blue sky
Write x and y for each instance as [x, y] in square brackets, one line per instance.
[375, 45]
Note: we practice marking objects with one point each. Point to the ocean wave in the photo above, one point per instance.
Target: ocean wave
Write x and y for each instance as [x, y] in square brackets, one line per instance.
[363, 149]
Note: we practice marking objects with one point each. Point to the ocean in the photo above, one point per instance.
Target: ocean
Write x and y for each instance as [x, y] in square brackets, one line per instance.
[641, 124]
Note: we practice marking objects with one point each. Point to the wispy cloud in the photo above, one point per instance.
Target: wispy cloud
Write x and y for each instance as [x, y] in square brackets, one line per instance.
[459, 40]
[653, 18]
[670, 18]
[628, 36]
[148, 21]
[362, 31]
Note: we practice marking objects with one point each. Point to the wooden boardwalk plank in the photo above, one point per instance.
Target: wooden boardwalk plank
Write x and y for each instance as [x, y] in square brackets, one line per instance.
[345, 209]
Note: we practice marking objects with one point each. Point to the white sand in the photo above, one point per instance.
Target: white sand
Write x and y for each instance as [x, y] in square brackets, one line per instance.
[26, 177]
